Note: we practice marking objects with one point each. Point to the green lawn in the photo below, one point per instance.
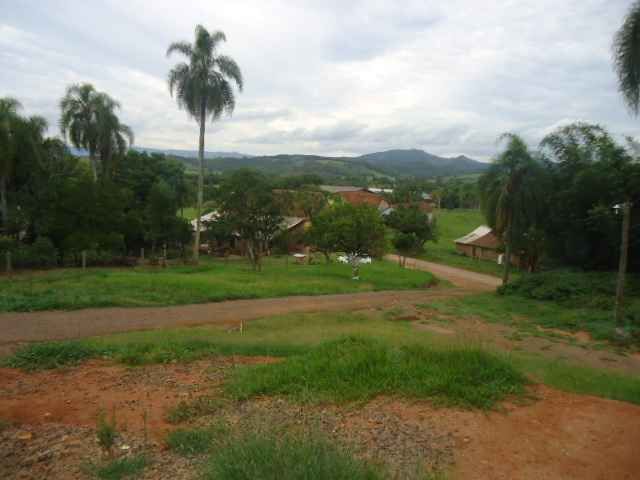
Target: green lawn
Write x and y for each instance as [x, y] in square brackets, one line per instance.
[314, 343]
[214, 280]
[453, 224]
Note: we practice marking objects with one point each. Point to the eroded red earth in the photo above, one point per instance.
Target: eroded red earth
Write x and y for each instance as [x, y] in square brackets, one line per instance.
[555, 435]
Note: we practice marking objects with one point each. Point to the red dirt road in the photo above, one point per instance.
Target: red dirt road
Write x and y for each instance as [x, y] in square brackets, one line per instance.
[457, 276]
[59, 325]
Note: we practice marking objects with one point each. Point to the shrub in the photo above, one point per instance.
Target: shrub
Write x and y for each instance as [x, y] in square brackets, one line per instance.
[106, 432]
[41, 253]
[573, 289]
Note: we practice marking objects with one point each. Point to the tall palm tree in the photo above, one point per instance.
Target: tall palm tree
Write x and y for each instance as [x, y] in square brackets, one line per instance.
[90, 122]
[203, 87]
[504, 193]
[8, 116]
[114, 138]
[626, 57]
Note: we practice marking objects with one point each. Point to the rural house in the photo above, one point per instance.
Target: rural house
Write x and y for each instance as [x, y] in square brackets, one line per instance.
[483, 244]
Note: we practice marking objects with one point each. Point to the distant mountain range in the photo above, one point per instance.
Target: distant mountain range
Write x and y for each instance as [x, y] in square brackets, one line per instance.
[389, 164]
[171, 152]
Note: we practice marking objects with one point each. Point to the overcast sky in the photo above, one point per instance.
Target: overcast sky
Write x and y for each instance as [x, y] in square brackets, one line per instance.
[331, 77]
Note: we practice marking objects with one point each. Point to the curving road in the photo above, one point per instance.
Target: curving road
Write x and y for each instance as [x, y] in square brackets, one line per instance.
[59, 325]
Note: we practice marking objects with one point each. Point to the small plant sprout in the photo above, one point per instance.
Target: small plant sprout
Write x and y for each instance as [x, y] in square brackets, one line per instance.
[106, 432]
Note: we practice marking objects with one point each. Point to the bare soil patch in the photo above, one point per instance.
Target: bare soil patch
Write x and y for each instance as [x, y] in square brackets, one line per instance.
[76, 396]
[553, 436]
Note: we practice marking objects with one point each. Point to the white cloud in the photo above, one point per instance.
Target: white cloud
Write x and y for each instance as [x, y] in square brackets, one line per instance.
[330, 76]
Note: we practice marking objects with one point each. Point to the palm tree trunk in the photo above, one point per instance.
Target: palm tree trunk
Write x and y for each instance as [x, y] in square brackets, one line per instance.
[507, 251]
[94, 166]
[622, 268]
[196, 241]
[4, 208]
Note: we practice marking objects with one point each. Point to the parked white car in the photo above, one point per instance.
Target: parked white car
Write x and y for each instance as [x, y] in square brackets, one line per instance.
[361, 260]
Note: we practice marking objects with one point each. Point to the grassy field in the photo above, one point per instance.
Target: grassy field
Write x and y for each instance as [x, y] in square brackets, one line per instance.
[212, 281]
[453, 224]
[383, 356]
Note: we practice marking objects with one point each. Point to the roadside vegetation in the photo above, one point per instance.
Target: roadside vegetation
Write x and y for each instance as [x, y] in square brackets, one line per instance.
[445, 371]
[555, 303]
[213, 281]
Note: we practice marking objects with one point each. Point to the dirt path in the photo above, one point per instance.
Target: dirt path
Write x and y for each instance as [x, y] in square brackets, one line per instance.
[457, 276]
[59, 325]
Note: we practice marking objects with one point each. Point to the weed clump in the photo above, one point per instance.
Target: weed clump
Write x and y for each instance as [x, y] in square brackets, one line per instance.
[358, 368]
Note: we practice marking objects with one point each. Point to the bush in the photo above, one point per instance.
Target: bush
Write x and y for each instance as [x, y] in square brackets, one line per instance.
[572, 289]
[41, 253]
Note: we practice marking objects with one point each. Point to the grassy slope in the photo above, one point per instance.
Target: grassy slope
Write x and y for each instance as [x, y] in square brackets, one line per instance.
[293, 335]
[213, 281]
[453, 224]
[526, 314]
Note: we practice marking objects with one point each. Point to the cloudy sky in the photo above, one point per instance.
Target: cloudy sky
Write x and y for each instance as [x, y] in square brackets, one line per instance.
[331, 76]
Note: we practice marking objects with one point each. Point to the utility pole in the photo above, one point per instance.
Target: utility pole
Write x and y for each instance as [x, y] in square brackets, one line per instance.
[622, 268]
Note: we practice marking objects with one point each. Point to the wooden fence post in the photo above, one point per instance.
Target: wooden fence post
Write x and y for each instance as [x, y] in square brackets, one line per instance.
[9, 265]
[84, 259]
[142, 254]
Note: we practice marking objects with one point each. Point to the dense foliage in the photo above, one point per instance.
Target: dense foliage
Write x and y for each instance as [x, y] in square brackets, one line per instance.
[412, 228]
[55, 208]
[563, 201]
[356, 230]
[249, 208]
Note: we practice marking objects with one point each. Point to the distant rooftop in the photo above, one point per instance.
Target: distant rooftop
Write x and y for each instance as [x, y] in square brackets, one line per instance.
[339, 188]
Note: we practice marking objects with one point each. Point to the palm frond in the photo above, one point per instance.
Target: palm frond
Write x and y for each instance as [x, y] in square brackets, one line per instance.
[184, 48]
[626, 57]
[230, 69]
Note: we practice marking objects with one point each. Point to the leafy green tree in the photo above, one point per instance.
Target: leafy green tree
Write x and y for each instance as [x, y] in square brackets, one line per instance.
[594, 179]
[22, 151]
[203, 87]
[161, 212]
[8, 118]
[413, 228]
[248, 206]
[509, 194]
[356, 230]
[323, 233]
[88, 119]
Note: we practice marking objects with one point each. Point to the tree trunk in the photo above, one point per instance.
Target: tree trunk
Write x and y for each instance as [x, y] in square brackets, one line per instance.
[622, 268]
[94, 165]
[507, 252]
[196, 240]
[4, 208]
